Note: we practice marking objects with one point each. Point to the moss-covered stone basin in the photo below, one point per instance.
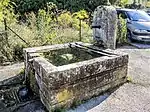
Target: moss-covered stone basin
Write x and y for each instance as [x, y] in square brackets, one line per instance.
[66, 73]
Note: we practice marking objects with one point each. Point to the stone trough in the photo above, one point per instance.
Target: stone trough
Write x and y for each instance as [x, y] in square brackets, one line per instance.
[68, 73]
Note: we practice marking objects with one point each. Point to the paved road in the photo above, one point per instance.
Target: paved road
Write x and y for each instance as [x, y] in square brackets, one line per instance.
[133, 96]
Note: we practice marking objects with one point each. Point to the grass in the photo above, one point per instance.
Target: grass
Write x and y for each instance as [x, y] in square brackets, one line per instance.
[41, 37]
[61, 35]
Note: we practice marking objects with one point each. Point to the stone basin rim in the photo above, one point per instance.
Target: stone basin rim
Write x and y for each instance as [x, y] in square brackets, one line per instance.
[54, 68]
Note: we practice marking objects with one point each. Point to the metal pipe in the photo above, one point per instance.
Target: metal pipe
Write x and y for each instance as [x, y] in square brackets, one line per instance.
[80, 30]
[19, 36]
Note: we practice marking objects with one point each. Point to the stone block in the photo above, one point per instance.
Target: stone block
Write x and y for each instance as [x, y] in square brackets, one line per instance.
[105, 26]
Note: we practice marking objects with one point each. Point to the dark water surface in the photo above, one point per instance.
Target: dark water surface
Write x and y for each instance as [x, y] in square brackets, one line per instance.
[69, 55]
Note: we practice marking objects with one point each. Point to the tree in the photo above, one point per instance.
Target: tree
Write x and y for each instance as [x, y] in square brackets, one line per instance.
[6, 16]
[6, 11]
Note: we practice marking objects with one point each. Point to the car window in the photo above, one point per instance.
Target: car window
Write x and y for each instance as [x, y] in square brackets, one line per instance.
[138, 16]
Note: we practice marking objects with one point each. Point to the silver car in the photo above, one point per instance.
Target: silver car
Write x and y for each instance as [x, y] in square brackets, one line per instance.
[138, 24]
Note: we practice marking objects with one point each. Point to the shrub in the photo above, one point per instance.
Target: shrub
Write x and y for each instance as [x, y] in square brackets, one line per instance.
[18, 52]
[65, 19]
[5, 50]
[45, 27]
[80, 15]
[122, 30]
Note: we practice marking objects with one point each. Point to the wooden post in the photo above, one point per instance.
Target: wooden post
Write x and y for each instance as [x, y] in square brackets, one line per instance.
[6, 30]
[80, 30]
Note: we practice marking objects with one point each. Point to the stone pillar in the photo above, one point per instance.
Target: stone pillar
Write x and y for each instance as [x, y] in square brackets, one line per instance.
[105, 26]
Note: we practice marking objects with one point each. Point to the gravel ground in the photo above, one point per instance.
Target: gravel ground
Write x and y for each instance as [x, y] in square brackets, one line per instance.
[139, 65]
[133, 96]
[128, 98]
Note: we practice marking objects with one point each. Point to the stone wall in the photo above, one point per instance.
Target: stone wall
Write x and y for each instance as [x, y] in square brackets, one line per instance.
[62, 85]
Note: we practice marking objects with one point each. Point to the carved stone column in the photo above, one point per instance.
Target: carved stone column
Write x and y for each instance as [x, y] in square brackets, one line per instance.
[105, 26]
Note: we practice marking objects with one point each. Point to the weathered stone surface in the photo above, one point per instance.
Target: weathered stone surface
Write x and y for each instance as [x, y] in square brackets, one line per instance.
[9, 97]
[18, 79]
[105, 26]
[81, 88]
[10, 71]
[62, 85]
[88, 95]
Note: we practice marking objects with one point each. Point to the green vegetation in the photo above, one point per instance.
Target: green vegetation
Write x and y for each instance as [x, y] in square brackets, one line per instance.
[62, 109]
[43, 22]
[129, 79]
[23, 6]
[6, 10]
[76, 103]
[43, 28]
[122, 31]
[22, 71]
[123, 3]
[70, 5]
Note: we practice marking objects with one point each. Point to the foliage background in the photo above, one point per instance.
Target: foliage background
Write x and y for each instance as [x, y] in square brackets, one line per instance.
[23, 6]
[43, 28]
[122, 31]
[42, 22]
